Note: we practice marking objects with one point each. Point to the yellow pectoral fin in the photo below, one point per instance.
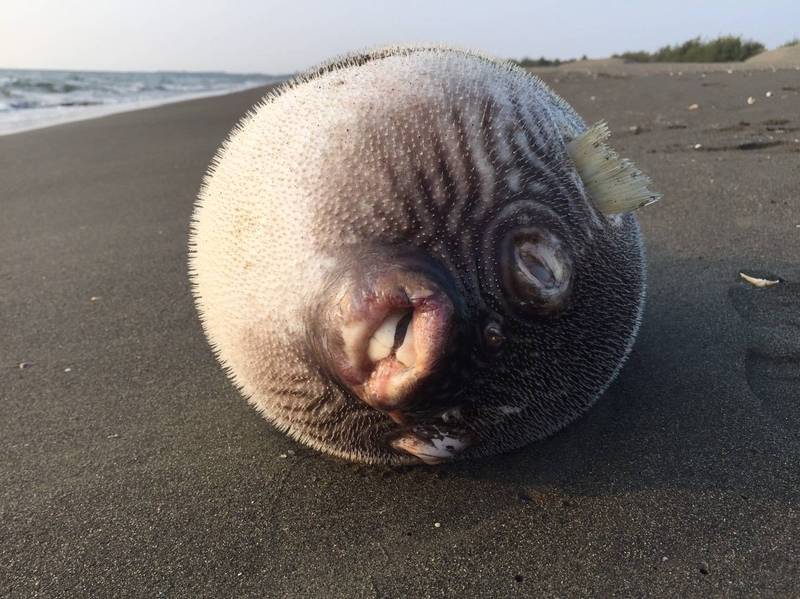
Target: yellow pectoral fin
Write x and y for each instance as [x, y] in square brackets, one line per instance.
[614, 184]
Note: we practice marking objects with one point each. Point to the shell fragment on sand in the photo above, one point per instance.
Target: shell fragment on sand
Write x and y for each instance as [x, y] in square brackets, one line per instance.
[757, 282]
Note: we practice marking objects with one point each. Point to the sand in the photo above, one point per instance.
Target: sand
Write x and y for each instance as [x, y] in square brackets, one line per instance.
[131, 467]
[781, 58]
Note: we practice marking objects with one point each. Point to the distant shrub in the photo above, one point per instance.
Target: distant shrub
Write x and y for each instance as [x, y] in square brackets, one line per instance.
[640, 56]
[541, 62]
[728, 48]
[790, 43]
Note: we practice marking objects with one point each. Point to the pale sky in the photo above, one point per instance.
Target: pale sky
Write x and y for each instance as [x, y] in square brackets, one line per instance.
[274, 36]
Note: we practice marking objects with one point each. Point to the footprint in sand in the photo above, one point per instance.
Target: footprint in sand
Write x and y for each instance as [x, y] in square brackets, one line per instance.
[772, 363]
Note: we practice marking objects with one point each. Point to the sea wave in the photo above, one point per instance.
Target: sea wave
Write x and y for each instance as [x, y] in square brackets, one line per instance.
[31, 99]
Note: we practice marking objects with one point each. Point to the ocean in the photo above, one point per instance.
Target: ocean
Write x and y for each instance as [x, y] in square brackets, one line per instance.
[30, 99]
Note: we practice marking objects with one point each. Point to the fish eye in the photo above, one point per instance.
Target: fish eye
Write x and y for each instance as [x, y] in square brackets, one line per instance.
[493, 336]
[536, 270]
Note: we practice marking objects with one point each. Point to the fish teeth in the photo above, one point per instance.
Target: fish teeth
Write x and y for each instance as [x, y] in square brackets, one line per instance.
[353, 335]
[382, 341]
[406, 353]
[376, 351]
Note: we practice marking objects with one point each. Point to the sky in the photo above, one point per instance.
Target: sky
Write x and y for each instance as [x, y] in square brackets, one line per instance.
[275, 36]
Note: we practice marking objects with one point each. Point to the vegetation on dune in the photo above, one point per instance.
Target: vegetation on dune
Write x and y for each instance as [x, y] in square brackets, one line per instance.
[544, 62]
[728, 48]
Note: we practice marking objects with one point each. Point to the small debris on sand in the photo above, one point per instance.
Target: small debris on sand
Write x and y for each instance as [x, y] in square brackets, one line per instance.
[24, 365]
[694, 106]
[697, 146]
[768, 94]
[751, 100]
[437, 524]
[95, 298]
[68, 369]
[757, 282]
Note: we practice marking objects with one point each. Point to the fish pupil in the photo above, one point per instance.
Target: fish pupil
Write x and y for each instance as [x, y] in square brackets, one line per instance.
[532, 266]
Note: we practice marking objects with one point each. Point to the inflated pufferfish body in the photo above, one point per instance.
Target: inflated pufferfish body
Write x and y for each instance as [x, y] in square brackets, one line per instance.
[418, 254]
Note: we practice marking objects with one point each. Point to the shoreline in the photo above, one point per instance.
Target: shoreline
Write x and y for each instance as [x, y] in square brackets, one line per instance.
[87, 113]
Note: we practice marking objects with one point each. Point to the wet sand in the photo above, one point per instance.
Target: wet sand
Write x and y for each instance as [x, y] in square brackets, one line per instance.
[131, 467]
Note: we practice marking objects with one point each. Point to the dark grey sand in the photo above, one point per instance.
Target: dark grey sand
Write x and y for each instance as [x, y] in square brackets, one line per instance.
[129, 466]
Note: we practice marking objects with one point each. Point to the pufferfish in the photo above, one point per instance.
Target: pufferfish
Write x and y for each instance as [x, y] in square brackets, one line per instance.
[418, 254]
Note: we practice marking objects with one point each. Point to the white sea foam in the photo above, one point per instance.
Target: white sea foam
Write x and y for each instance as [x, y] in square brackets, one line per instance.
[33, 99]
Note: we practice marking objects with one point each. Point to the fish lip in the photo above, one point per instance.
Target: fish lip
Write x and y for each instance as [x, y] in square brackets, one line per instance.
[388, 385]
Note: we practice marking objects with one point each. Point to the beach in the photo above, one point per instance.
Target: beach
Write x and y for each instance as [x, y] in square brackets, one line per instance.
[132, 467]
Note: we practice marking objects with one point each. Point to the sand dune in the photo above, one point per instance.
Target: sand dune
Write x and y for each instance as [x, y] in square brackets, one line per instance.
[780, 57]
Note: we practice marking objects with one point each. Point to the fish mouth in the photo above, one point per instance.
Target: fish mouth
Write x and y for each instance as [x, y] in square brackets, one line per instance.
[391, 334]
[394, 337]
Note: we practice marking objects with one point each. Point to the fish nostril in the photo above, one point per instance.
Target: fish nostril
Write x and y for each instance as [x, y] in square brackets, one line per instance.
[493, 336]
